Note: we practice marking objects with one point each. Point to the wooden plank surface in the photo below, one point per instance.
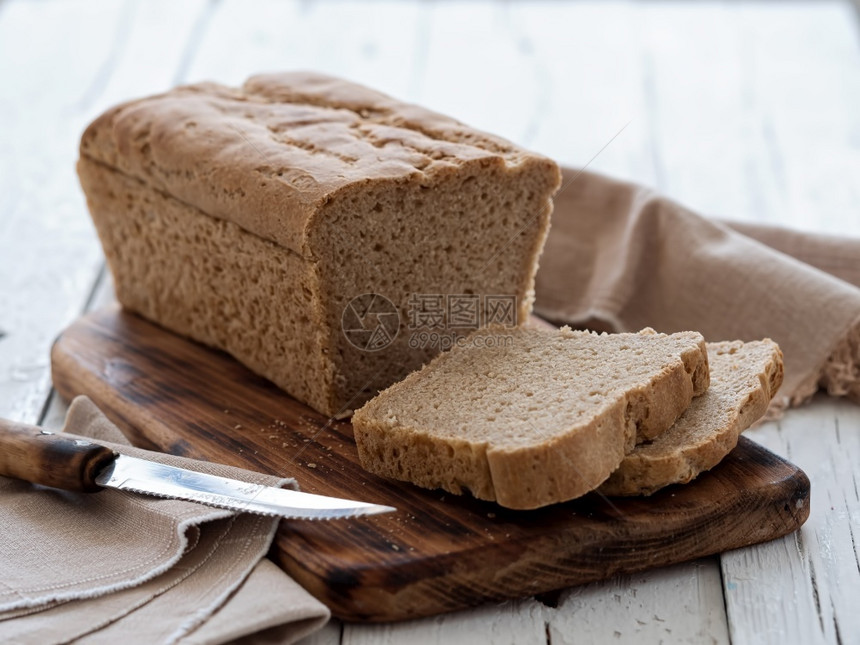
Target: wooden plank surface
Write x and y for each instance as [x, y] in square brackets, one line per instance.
[820, 564]
[647, 608]
[49, 255]
[438, 552]
[780, 140]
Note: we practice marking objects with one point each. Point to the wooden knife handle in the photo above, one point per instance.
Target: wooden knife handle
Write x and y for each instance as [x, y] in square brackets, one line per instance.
[41, 457]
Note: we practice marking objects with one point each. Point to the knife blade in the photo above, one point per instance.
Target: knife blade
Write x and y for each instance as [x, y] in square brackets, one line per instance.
[41, 457]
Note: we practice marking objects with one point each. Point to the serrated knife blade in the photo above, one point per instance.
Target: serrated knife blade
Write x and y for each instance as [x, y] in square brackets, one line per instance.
[39, 456]
[152, 478]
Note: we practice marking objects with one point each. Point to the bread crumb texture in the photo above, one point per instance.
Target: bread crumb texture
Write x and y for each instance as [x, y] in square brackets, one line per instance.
[249, 218]
[529, 417]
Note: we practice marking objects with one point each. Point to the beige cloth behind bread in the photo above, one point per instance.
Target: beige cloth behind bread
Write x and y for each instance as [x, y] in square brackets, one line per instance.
[620, 257]
[116, 567]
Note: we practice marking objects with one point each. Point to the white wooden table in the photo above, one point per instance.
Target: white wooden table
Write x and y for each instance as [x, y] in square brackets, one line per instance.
[747, 111]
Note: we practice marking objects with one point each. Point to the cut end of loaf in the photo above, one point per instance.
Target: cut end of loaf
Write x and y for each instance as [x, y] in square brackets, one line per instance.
[464, 238]
[533, 418]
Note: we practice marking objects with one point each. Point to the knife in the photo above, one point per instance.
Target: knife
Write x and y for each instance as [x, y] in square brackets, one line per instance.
[39, 456]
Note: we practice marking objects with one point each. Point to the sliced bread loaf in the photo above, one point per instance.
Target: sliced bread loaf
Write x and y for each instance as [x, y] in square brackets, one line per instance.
[529, 417]
[744, 378]
[262, 219]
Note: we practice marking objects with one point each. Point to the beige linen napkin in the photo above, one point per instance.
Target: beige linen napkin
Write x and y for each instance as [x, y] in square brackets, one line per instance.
[620, 257]
[119, 567]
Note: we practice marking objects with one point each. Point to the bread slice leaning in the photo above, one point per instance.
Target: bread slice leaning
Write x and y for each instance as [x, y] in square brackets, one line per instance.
[744, 379]
[529, 417]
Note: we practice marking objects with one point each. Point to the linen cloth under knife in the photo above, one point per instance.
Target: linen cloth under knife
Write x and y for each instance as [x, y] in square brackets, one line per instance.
[41, 457]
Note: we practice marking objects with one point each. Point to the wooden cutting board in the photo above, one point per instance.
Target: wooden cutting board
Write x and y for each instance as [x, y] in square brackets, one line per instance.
[439, 552]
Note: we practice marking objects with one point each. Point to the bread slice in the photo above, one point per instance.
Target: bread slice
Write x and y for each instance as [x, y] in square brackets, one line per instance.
[528, 417]
[744, 378]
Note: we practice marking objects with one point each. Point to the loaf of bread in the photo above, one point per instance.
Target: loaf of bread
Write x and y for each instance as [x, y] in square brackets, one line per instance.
[264, 220]
[744, 379]
[529, 417]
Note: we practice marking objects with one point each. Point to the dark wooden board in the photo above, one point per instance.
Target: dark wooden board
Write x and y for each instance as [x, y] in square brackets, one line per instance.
[439, 552]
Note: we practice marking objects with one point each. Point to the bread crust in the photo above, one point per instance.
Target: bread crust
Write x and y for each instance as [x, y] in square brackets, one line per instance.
[271, 154]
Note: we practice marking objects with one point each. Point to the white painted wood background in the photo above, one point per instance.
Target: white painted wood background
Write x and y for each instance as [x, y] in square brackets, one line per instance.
[742, 110]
